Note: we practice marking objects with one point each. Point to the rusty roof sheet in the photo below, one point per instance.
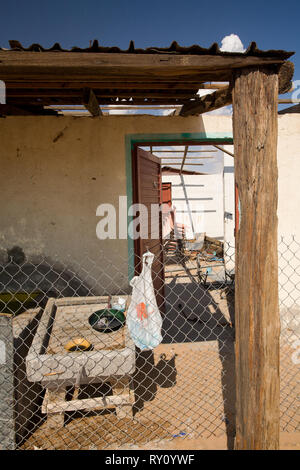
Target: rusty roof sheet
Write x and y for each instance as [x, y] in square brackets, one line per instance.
[174, 48]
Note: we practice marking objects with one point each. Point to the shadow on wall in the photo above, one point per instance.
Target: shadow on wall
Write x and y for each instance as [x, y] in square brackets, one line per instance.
[38, 280]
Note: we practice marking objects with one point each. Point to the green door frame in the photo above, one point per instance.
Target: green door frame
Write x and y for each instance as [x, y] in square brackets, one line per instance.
[134, 140]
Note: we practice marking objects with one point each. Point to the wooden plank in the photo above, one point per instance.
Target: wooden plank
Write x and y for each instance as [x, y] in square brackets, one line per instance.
[98, 403]
[54, 421]
[181, 151]
[124, 410]
[179, 159]
[99, 93]
[77, 100]
[223, 97]
[285, 77]
[51, 397]
[91, 102]
[44, 89]
[224, 150]
[207, 103]
[256, 276]
[106, 85]
[213, 86]
[186, 149]
[13, 63]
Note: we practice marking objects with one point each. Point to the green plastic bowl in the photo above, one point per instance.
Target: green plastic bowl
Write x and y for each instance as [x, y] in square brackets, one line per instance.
[107, 320]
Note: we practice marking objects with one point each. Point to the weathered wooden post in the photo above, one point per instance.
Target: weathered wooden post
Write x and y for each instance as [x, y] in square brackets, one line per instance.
[255, 95]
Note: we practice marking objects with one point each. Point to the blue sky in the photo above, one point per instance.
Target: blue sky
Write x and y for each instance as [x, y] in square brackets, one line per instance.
[272, 24]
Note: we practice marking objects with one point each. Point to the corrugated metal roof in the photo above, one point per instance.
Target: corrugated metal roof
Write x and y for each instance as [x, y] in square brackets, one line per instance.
[174, 48]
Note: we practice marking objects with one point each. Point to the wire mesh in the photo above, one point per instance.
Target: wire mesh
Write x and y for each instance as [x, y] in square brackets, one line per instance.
[70, 380]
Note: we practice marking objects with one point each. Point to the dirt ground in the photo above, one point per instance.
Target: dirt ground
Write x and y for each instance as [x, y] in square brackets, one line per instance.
[179, 404]
[288, 441]
[184, 389]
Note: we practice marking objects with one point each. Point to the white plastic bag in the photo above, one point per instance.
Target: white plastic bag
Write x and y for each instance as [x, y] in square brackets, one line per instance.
[143, 319]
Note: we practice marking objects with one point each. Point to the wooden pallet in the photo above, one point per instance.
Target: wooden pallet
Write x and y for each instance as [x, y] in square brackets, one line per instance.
[55, 404]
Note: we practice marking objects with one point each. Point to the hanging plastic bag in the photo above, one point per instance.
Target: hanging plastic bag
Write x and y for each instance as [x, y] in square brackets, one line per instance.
[143, 318]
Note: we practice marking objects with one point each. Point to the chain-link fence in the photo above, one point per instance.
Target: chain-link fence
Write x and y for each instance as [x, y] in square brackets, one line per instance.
[73, 377]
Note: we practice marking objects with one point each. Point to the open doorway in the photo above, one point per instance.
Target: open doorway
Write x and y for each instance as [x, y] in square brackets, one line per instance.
[188, 180]
[189, 276]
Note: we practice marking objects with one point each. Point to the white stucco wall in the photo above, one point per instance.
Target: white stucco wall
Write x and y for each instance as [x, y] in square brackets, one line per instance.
[288, 160]
[55, 171]
[198, 200]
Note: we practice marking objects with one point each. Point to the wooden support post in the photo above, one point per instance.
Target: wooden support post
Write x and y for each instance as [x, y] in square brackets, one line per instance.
[256, 280]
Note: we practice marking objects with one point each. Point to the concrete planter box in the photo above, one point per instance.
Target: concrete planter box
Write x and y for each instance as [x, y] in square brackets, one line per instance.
[48, 362]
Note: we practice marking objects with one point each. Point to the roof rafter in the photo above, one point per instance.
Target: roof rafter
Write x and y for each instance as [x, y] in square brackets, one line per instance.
[36, 76]
[223, 96]
[90, 102]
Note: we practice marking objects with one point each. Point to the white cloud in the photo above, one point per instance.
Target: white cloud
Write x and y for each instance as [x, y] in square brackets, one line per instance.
[203, 92]
[225, 111]
[232, 43]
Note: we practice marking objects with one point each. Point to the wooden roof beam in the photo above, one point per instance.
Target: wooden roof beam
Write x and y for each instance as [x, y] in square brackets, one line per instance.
[223, 97]
[184, 158]
[224, 150]
[91, 103]
[213, 86]
[15, 65]
[285, 77]
[207, 103]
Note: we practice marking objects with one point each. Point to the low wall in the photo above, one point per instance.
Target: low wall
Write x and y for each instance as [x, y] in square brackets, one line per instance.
[7, 432]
